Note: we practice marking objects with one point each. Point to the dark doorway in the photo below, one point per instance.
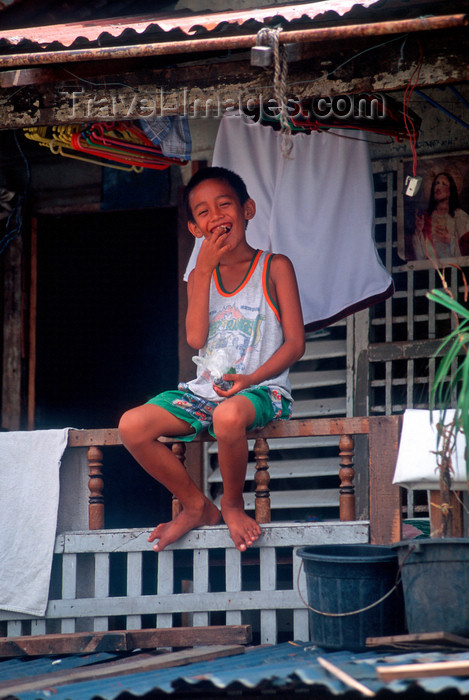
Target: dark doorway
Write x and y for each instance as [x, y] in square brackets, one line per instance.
[107, 336]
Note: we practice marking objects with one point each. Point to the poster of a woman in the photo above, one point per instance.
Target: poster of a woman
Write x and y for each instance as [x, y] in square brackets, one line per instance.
[434, 225]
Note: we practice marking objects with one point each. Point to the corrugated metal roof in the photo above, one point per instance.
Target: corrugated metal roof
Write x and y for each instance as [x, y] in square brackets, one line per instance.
[281, 667]
[25, 667]
[67, 34]
[123, 29]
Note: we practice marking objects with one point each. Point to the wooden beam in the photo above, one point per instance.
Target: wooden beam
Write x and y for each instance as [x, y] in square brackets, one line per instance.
[423, 670]
[403, 350]
[119, 668]
[425, 640]
[221, 87]
[385, 498]
[297, 427]
[124, 640]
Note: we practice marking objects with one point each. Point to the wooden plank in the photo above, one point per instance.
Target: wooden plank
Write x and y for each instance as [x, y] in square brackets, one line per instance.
[94, 436]
[123, 640]
[307, 380]
[134, 585]
[190, 636]
[402, 350]
[215, 536]
[268, 581]
[233, 581]
[317, 498]
[423, 670]
[345, 678]
[285, 443]
[319, 407]
[177, 603]
[300, 616]
[201, 582]
[385, 498]
[101, 587]
[315, 426]
[69, 587]
[300, 427]
[289, 469]
[125, 667]
[165, 584]
[421, 639]
[317, 349]
[73, 643]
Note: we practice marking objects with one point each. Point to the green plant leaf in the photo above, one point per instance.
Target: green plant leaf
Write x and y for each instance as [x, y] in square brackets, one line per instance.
[449, 381]
[441, 297]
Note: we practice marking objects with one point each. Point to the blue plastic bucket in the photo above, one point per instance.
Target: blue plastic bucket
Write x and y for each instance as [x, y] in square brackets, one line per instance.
[347, 578]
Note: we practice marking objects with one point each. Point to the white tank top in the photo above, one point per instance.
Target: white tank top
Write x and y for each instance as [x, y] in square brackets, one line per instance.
[248, 320]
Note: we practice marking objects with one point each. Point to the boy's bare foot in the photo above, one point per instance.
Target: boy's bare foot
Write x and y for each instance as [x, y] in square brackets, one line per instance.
[244, 530]
[187, 520]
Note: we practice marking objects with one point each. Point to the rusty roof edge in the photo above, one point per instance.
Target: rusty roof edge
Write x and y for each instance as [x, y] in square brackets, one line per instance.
[67, 34]
[333, 33]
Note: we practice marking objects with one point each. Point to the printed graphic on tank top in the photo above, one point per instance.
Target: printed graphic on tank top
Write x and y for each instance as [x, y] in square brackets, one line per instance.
[247, 320]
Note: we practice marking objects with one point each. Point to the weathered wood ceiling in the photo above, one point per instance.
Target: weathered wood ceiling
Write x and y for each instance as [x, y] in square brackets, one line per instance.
[135, 88]
[46, 85]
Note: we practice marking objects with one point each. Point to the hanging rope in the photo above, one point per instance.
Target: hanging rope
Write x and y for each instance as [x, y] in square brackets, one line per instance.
[271, 37]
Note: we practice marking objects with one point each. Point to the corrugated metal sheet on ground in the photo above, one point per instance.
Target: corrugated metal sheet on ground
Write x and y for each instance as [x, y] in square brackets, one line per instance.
[106, 30]
[25, 667]
[284, 666]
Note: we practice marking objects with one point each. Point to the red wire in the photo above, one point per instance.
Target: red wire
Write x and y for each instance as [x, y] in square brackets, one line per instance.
[405, 103]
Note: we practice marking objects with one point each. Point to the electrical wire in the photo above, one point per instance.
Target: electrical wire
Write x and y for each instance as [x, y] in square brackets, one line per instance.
[408, 122]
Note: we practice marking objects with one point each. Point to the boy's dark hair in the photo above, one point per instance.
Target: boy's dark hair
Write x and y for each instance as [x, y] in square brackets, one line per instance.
[215, 173]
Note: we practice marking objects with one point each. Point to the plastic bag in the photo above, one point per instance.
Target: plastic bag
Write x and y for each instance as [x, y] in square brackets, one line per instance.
[217, 364]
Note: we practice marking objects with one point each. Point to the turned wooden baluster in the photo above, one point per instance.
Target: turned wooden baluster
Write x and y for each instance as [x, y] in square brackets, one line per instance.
[262, 478]
[179, 450]
[346, 475]
[96, 486]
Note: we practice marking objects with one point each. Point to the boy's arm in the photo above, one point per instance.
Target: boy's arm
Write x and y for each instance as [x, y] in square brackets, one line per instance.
[198, 290]
[283, 285]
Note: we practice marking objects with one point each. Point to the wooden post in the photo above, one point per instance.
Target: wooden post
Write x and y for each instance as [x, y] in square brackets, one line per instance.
[96, 486]
[179, 450]
[346, 475]
[11, 380]
[32, 327]
[385, 497]
[262, 478]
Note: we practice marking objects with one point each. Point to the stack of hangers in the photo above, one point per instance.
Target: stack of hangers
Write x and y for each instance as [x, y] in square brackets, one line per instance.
[107, 144]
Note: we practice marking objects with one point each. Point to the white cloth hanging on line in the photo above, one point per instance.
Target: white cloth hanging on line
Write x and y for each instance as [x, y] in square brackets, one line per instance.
[316, 207]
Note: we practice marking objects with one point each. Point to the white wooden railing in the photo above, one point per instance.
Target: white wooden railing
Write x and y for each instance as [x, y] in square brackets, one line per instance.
[112, 579]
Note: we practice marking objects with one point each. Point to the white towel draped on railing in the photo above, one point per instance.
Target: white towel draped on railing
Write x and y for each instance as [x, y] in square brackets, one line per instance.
[29, 499]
